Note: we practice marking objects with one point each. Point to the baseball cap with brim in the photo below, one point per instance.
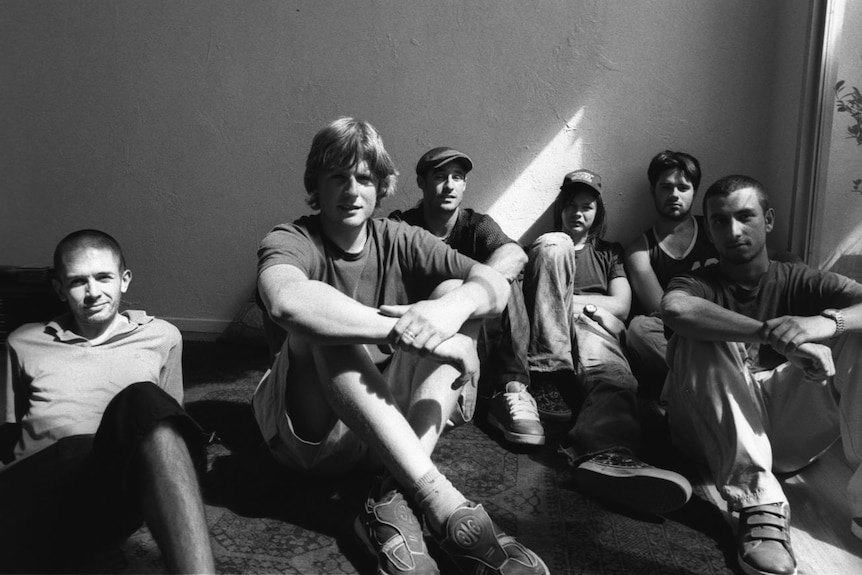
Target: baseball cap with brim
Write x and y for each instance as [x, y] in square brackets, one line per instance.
[438, 156]
[585, 177]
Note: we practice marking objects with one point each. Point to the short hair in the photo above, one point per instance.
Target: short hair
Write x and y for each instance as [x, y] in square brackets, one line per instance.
[725, 186]
[87, 239]
[597, 230]
[679, 161]
[343, 144]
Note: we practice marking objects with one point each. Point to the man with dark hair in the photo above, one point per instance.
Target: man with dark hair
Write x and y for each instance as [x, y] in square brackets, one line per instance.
[347, 288]
[676, 243]
[93, 399]
[763, 371]
[441, 174]
[577, 298]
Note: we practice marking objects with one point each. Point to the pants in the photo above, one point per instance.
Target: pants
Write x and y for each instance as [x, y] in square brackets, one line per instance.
[646, 348]
[746, 426]
[564, 339]
[503, 345]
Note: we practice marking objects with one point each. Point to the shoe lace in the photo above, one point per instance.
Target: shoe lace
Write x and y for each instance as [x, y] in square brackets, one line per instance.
[522, 406]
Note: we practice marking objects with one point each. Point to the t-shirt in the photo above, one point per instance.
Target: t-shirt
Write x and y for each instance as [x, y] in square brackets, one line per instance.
[399, 264]
[596, 264]
[699, 253]
[58, 384]
[474, 235]
[785, 289]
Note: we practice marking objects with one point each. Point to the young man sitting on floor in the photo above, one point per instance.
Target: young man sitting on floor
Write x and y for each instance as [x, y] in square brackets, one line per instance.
[441, 174]
[764, 371]
[93, 400]
[346, 286]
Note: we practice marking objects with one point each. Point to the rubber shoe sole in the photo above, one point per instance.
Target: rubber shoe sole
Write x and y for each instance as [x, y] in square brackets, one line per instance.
[513, 436]
[648, 490]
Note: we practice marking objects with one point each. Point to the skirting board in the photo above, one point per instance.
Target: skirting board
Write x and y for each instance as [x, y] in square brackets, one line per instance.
[196, 329]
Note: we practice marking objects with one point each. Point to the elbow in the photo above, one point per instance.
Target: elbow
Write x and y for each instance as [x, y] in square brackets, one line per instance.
[673, 310]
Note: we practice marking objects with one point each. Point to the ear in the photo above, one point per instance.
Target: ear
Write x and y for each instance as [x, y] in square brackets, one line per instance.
[125, 280]
[58, 289]
[420, 181]
[769, 217]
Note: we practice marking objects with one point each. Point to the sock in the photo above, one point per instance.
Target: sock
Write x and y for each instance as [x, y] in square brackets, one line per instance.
[437, 498]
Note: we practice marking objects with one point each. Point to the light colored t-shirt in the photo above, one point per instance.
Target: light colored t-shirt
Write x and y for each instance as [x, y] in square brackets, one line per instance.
[59, 384]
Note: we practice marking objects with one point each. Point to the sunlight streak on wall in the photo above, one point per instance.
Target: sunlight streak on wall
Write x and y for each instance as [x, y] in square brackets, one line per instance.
[535, 188]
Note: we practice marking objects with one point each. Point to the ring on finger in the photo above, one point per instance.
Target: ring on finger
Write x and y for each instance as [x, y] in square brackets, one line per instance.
[409, 335]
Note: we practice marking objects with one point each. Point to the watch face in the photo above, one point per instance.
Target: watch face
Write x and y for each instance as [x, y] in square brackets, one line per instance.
[590, 308]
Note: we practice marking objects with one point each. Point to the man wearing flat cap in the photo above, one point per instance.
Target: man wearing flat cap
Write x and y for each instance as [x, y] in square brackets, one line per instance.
[441, 174]
[577, 298]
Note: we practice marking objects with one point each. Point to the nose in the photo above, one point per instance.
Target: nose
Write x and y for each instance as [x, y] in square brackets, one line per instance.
[735, 227]
[92, 288]
[352, 187]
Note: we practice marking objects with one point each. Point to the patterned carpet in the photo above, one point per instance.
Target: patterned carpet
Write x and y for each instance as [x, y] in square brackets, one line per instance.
[265, 520]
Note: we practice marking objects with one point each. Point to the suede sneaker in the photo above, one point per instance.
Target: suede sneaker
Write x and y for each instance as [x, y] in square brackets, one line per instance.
[620, 477]
[549, 401]
[514, 412]
[479, 547]
[391, 531]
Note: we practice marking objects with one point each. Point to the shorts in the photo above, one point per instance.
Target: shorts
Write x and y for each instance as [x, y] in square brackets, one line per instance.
[341, 450]
[82, 491]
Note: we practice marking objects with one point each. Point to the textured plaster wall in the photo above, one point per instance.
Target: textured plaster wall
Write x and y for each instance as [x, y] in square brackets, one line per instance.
[182, 128]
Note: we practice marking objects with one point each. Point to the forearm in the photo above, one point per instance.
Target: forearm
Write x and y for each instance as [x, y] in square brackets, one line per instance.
[321, 314]
[508, 260]
[484, 293]
[616, 305]
[853, 317]
[697, 318]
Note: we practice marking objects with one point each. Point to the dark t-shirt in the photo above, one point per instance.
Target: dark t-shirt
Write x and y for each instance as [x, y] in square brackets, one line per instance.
[596, 264]
[700, 253]
[474, 235]
[399, 264]
[785, 289]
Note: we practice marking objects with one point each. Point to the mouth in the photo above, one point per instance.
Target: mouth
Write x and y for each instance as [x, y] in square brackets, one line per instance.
[96, 307]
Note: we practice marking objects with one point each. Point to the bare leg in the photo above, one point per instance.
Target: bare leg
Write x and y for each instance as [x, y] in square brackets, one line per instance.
[172, 504]
[360, 396]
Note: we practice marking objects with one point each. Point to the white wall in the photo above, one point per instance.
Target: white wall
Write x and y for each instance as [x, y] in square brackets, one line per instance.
[182, 128]
[838, 226]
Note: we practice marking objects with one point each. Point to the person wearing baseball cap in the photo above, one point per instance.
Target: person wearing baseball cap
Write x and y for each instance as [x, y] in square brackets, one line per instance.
[577, 298]
[441, 174]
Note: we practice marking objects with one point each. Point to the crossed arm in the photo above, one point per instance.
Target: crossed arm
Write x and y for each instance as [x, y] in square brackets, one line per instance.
[797, 337]
[324, 316]
[509, 259]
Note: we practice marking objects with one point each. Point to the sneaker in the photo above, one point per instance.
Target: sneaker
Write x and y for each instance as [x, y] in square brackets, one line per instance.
[479, 547]
[514, 412]
[620, 477]
[856, 527]
[764, 540]
[391, 531]
[549, 401]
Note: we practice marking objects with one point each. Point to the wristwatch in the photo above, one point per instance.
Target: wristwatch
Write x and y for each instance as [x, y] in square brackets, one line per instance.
[590, 309]
[836, 316]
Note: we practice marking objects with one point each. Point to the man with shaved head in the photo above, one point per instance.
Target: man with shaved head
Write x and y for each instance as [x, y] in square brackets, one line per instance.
[101, 441]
